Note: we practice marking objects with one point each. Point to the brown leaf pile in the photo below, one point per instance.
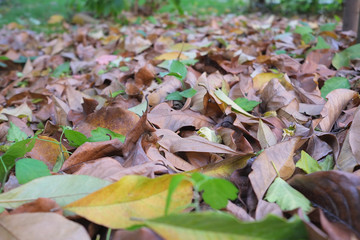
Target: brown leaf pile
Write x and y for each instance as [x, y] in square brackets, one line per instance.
[238, 56]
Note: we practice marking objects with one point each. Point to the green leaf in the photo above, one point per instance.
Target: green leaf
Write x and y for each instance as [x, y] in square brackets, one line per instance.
[179, 68]
[188, 93]
[321, 44]
[75, 138]
[64, 189]
[278, 52]
[63, 68]
[217, 192]
[307, 163]
[27, 169]
[328, 27]
[15, 134]
[327, 164]
[114, 94]
[307, 38]
[247, 105]
[124, 68]
[17, 150]
[219, 225]
[4, 58]
[342, 59]
[334, 83]
[103, 134]
[174, 96]
[221, 95]
[139, 109]
[303, 30]
[174, 183]
[286, 197]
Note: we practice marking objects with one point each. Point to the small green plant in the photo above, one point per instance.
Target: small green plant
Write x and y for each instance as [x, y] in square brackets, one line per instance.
[179, 71]
[76, 139]
[215, 191]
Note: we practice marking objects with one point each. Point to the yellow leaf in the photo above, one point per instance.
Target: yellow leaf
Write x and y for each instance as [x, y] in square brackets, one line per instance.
[14, 25]
[54, 19]
[117, 205]
[262, 78]
[183, 47]
[171, 56]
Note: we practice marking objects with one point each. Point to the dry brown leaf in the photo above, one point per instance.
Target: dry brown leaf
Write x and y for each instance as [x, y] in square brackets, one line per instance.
[102, 168]
[174, 143]
[275, 96]
[263, 173]
[170, 84]
[124, 121]
[336, 193]
[39, 205]
[91, 151]
[47, 150]
[337, 101]
[265, 136]
[165, 117]
[40, 226]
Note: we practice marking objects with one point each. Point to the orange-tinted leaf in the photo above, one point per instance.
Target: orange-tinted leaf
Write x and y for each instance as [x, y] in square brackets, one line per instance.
[48, 150]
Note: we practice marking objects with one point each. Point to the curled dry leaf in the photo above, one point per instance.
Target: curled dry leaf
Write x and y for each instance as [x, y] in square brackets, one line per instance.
[275, 96]
[174, 143]
[91, 151]
[165, 117]
[336, 193]
[337, 101]
[354, 136]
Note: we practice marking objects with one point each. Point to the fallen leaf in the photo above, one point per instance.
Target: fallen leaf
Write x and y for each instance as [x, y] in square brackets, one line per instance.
[265, 136]
[32, 226]
[171, 56]
[307, 163]
[63, 189]
[131, 197]
[174, 143]
[263, 173]
[91, 151]
[337, 101]
[39, 205]
[165, 117]
[336, 193]
[217, 225]
[47, 150]
[286, 196]
[104, 118]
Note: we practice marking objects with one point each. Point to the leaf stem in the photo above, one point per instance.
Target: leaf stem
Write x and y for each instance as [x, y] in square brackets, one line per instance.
[277, 172]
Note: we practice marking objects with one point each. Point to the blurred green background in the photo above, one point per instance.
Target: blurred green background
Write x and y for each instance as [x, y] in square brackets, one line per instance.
[37, 12]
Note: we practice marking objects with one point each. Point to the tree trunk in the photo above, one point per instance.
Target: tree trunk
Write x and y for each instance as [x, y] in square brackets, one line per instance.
[351, 15]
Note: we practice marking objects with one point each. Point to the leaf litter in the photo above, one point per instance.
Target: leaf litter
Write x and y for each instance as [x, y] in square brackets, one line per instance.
[114, 112]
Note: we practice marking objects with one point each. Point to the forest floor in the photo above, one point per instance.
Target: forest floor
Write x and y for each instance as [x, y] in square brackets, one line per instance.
[180, 128]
